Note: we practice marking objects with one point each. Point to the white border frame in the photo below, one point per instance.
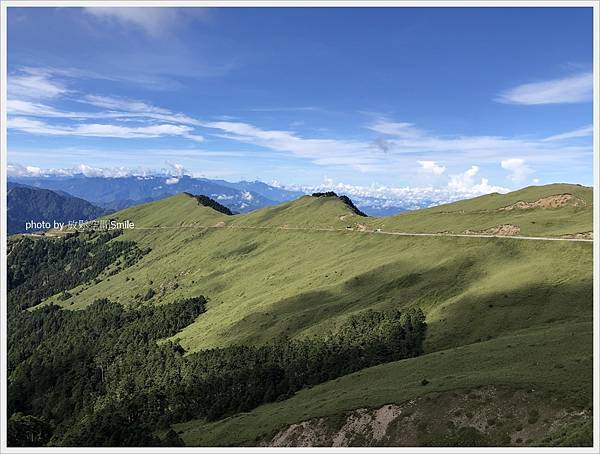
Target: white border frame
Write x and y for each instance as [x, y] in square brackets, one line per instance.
[294, 3]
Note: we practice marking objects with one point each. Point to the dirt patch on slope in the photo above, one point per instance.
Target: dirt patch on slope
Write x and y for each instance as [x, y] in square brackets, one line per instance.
[502, 229]
[483, 417]
[553, 201]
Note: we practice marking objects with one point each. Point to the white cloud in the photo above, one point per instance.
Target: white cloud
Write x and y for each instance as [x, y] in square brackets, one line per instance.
[133, 108]
[462, 181]
[581, 132]
[432, 167]
[407, 138]
[100, 130]
[17, 170]
[177, 169]
[31, 88]
[110, 116]
[357, 154]
[572, 89]
[194, 137]
[459, 187]
[135, 112]
[33, 83]
[128, 105]
[34, 109]
[517, 168]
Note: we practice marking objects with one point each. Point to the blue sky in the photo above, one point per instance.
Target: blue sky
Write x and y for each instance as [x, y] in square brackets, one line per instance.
[467, 100]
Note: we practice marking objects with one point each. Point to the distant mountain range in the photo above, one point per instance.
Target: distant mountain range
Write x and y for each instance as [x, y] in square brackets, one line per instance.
[26, 204]
[119, 193]
[240, 197]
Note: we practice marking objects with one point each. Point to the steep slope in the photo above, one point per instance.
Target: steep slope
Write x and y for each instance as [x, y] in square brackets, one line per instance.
[517, 390]
[26, 204]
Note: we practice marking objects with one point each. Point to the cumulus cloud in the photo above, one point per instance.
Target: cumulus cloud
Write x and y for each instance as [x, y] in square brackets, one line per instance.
[466, 185]
[381, 196]
[517, 168]
[177, 169]
[432, 167]
[573, 89]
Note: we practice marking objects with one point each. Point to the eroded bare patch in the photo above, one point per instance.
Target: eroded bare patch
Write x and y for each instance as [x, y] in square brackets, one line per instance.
[502, 229]
[487, 415]
[553, 201]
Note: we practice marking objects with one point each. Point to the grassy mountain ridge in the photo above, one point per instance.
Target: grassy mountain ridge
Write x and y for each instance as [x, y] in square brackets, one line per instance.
[488, 211]
[501, 312]
[298, 282]
[561, 209]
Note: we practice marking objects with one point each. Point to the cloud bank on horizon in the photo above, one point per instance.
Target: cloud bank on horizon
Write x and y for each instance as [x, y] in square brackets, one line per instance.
[210, 92]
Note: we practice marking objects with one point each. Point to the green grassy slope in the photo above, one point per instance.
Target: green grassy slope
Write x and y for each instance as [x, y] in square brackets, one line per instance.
[180, 209]
[264, 280]
[544, 360]
[266, 283]
[307, 211]
[474, 214]
[486, 212]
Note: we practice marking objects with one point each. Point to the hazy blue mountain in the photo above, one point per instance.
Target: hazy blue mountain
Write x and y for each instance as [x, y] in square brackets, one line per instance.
[27, 204]
[270, 192]
[241, 197]
[119, 193]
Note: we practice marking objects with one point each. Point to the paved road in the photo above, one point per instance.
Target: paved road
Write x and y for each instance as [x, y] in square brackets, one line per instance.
[377, 232]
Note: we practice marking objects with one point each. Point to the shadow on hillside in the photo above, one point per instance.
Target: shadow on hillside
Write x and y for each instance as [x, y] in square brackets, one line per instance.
[445, 292]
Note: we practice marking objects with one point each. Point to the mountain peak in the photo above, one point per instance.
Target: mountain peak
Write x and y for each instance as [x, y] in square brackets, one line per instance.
[208, 202]
[343, 198]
